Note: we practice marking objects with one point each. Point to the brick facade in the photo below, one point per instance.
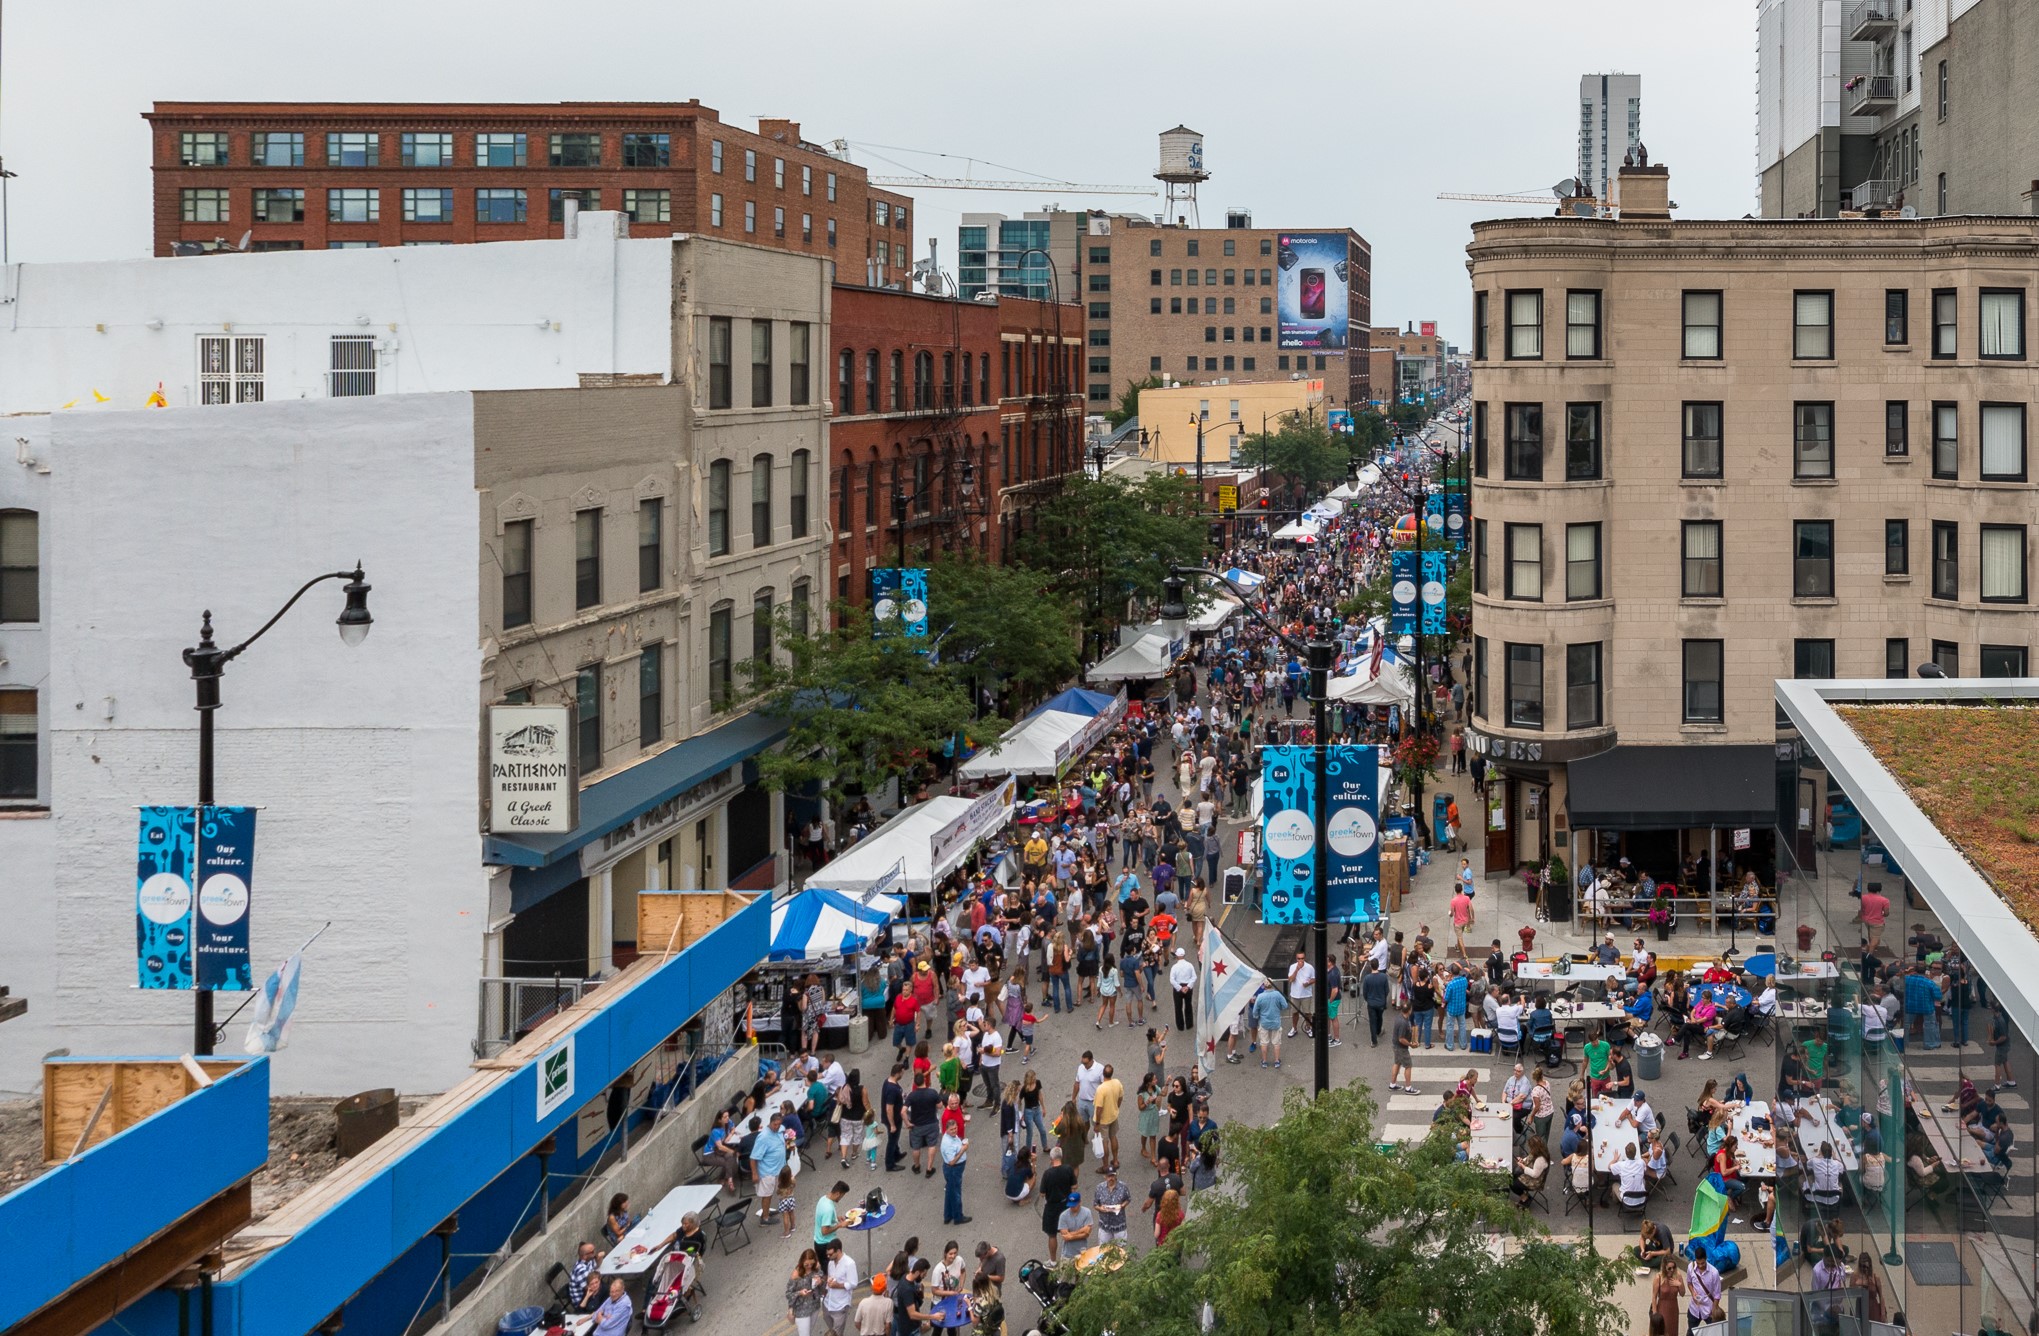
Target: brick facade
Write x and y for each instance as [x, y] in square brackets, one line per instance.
[786, 206]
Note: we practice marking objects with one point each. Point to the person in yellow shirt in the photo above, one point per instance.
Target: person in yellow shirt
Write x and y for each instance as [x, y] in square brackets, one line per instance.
[1035, 854]
[1111, 1092]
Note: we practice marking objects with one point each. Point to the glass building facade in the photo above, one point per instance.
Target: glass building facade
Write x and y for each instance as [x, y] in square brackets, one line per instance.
[1011, 256]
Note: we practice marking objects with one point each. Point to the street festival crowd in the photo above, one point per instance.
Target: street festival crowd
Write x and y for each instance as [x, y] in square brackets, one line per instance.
[1101, 915]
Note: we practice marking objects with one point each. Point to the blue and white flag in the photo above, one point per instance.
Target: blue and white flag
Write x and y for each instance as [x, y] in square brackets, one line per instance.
[269, 1028]
[1227, 984]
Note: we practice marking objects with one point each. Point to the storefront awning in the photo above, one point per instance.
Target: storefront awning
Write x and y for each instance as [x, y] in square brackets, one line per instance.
[1674, 788]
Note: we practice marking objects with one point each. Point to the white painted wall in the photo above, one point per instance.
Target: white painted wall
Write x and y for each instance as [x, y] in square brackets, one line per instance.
[363, 760]
[444, 318]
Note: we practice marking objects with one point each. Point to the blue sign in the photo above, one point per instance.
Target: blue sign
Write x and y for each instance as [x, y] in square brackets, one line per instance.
[1455, 516]
[1341, 420]
[1288, 835]
[1433, 513]
[1402, 571]
[899, 595]
[163, 898]
[1434, 577]
[193, 873]
[226, 875]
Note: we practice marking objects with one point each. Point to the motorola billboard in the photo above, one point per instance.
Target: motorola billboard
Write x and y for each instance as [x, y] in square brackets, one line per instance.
[1312, 301]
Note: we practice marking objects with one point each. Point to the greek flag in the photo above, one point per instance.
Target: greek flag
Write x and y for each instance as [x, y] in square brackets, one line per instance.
[269, 1028]
[1227, 984]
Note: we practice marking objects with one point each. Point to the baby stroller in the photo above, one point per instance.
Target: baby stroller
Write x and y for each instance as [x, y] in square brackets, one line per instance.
[1050, 1291]
[675, 1288]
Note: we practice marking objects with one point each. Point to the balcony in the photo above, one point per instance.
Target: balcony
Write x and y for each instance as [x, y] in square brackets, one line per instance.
[1871, 94]
[1871, 21]
[1878, 193]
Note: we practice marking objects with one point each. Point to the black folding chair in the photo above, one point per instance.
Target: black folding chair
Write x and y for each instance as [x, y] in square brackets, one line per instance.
[733, 1222]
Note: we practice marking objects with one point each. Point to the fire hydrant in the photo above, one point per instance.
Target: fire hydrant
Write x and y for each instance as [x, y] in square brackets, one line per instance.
[1805, 936]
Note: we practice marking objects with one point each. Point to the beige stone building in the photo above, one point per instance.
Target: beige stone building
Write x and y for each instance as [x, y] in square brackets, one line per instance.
[1711, 454]
[1230, 414]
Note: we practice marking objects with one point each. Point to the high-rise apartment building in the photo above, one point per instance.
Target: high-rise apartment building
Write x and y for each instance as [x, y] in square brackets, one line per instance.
[1610, 127]
[1743, 451]
[315, 176]
[1035, 256]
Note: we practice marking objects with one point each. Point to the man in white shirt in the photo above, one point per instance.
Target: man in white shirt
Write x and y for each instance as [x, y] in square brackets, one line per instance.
[990, 1057]
[1378, 952]
[842, 1287]
[1640, 1116]
[1302, 993]
[1632, 1176]
[1508, 1022]
[1182, 985]
[975, 977]
[1089, 1076]
[1823, 1176]
[834, 1077]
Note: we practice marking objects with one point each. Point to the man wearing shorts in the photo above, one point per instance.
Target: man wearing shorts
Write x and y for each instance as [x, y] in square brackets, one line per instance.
[1268, 1006]
[1302, 995]
[768, 1159]
[923, 1125]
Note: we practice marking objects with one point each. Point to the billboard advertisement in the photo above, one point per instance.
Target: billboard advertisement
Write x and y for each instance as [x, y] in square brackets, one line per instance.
[1311, 301]
[1429, 328]
[1352, 874]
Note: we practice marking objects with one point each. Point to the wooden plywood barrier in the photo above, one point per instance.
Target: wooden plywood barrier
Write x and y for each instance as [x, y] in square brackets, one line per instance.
[674, 920]
[131, 1089]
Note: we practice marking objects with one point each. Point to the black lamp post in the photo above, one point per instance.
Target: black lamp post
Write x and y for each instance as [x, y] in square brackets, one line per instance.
[1099, 453]
[208, 662]
[1319, 655]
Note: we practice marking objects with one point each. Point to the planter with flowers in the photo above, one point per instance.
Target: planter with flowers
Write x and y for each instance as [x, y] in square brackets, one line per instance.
[1662, 918]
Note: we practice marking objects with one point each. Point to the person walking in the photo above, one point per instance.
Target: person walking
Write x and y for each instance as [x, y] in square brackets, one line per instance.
[1373, 990]
[892, 1107]
[1106, 1102]
[1182, 984]
[1402, 1044]
[955, 1152]
[1302, 995]
[804, 1291]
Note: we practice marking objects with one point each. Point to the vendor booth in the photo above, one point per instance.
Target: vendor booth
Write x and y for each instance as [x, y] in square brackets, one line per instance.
[1393, 685]
[1050, 738]
[1145, 654]
[929, 839]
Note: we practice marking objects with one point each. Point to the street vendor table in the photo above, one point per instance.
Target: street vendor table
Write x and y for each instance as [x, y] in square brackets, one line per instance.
[639, 1250]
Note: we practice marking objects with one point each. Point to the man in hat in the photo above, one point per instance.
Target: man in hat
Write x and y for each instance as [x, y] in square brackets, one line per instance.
[1182, 982]
[1076, 1225]
[1607, 953]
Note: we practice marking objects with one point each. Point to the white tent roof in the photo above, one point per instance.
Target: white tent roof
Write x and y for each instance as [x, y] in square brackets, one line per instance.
[1330, 505]
[1344, 491]
[1392, 687]
[1300, 530]
[1143, 656]
[1212, 615]
[1028, 748]
[909, 839]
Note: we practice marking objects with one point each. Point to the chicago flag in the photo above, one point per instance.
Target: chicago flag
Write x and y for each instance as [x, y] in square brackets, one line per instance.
[1227, 985]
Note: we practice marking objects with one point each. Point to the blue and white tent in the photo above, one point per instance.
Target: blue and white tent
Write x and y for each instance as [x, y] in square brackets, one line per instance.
[1076, 700]
[1245, 579]
[818, 923]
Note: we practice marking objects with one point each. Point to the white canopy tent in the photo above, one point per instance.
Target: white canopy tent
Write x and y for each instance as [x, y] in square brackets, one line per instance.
[1213, 614]
[929, 840]
[1392, 687]
[1145, 655]
[1328, 507]
[1299, 531]
[1344, 491]
[1028, 747]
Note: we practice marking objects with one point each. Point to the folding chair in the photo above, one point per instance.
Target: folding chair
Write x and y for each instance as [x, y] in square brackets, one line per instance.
[555, 1280]
[732, 1222]
[1571, 1194]
[1533, 1188]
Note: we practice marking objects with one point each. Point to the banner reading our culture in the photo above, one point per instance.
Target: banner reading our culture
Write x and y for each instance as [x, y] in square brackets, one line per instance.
[1289, 835]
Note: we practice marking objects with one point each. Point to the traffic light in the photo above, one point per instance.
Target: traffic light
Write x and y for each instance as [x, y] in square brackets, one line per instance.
[1263, 501]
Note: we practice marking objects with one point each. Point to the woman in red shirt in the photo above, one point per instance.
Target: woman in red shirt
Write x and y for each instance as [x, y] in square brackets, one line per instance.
[1730, 1172]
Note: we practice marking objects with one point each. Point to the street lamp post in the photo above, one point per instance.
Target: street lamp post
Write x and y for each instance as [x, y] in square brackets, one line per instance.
[1319, 654]
[208, 662]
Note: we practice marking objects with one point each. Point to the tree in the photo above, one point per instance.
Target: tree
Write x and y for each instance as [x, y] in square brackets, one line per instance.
[1003, 626]
[1321, 1233]
[1370, 431]
[1128, 406]
[1305, 451]
[1407, 416]
[860, 708]
[1104, 542]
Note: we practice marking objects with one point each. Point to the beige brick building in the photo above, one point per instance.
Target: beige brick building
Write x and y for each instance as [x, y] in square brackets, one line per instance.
[1708, 455]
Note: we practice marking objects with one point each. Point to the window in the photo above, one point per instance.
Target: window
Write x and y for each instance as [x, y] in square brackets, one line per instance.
[650, 695]
[1582, 686]
[761, 501]
[831, 189]
[1897, 315]
[230, 368]
[576, 150]
[1175, 278]
[1582, 324]
[1812, 659]
[1702, 316]
[1812, 558]
[1700, 565]
[923, 380]
[588, 716]
[797, 612]
[750, 215]
[648, 206]
[352, 365]
[871, 404]
[587, 558]
[1702, 453]
[1523, 457]
[1480, 439]
[2003, 443]
[279, 206]
[1582, 442]
[1479, 556]
[497, 205]
[845, 381]
[18, 760]
[1702, 678]
[1479, 326]
[206, 205]
[1897, 431]
[1946, 441]
[1525, 325]
[1812, 325]
[779, 223]
[807, 227]
[1192, 246]
[434, 149]
[2003, 323]
[1946, 330]
[778, 173]
[20, 566]
[647, 150]
[807, 181]
[278, 148]
[2003, 661]
[1948, 656]
[1897, 657]
[650, 544]
[1897, 547]
[350, 149]
[715, 210]
[718, 508]
[1582, 562]
[1525, 561]
[202, 148]
[800, 342]
[1946, 560]
[1941, 96]
[1525, 686]
[715, 157]
[881, 212]
[428, 206]
[718, 658]
[1812, 441]
[761, 626]
[2003, 563]
[870, 494]
[517, 573]
[719, 338]
[831, 234]
[1098, 283]
[898, 380]
[1479, 677]
[499, 150]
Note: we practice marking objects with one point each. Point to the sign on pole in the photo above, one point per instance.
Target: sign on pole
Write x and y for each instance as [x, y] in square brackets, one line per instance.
[163, 898]
[1228, 498]
[899, 595]
[194, 873]
[1455, 514]
[1434, 577]
[1289, 835]
[226, 871]
[1402, 573]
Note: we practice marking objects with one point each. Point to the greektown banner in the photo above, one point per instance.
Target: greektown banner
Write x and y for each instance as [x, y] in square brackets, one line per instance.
[163, 898]
[194, 873]
[1402, 572]
[899, 594]
[1435, 575]
[1455, 516]
[1289, 835]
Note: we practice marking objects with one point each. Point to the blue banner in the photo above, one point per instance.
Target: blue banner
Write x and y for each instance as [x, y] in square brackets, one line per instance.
[1435, 574]
[1340, 420]
[1402, 572]
[163, 898]
[1455, 516]
[901, 596]
[1288, 835]
[1433, 513]
[226, 876]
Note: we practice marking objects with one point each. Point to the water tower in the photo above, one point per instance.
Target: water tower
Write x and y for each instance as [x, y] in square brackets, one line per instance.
[1182, 169]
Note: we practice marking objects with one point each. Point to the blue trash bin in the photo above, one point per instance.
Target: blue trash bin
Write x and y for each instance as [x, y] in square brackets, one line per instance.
[1438, 803]
[520, 1321]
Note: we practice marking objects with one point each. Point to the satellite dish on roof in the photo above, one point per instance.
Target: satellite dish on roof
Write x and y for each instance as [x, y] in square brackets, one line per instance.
[1566, 188]
[1908, 212]
[1582, 209]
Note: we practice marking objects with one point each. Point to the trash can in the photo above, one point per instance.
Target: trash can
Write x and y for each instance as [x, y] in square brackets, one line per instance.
[1438, 803]
[1649, 1057]
[860, 1033]
[364, 1119]
[520, 1321]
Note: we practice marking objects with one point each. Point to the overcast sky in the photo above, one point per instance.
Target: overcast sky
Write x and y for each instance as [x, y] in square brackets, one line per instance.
[1348, 113]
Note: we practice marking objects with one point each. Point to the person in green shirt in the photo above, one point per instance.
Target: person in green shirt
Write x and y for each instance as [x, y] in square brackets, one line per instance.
[826, 1213]
[1598, 1053]
[1816, 1057]
[949, 1076]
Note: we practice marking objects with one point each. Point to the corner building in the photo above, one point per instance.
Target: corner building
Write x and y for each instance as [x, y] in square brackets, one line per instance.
[1712, 454]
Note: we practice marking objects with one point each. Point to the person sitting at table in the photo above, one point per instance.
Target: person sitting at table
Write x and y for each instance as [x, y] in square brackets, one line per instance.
[1606, 952]
[1976, 1108]
[1927, 1169]
[1620, 1078]
[1656, 1159]
[1515, 1094]
[1766, 1000]
[1996, 1147]
[1735, 1019]
[1631, 1178]
[619, 1219]
[1700, 1025]
[719, 1150]
[584, 1282]
[1637, 1113]
[1530, 1169]
[1653, 1244]
[1823, 1173]
[1543, 1029]
[1727, 1163]
[691, 1238]
[1641, 1009]
[1739, 1092]
[1579, 1168]
[1676, 1002]
[1716, 972]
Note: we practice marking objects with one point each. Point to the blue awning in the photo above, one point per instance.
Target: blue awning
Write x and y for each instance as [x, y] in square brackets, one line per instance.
[610, 803]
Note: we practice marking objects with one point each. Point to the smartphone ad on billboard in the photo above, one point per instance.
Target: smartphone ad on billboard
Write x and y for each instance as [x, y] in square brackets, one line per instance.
[1310, 297]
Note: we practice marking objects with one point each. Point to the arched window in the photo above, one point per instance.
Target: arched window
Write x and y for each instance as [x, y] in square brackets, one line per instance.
[796, 492]
[968, 385]
[842, 493]
[871, 404]
[898, 380]
[923, 380]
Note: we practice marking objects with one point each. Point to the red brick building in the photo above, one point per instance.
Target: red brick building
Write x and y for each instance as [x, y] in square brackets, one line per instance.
[313, 175]
[968, 412]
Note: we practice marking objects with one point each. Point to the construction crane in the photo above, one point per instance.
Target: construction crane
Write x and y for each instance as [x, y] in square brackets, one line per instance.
[1496, 199]
[1570, 195]
[841, 149]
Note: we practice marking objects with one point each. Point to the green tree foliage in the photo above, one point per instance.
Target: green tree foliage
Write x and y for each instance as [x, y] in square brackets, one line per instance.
[1370, 431]
[1305, 451]
[861, 708]
[1128, 406]
[1104, 542]
[1003, 626]
[1408, 416]
[1315, 1232]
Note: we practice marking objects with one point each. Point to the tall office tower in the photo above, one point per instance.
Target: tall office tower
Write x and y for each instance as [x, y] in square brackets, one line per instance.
[1610, 126]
